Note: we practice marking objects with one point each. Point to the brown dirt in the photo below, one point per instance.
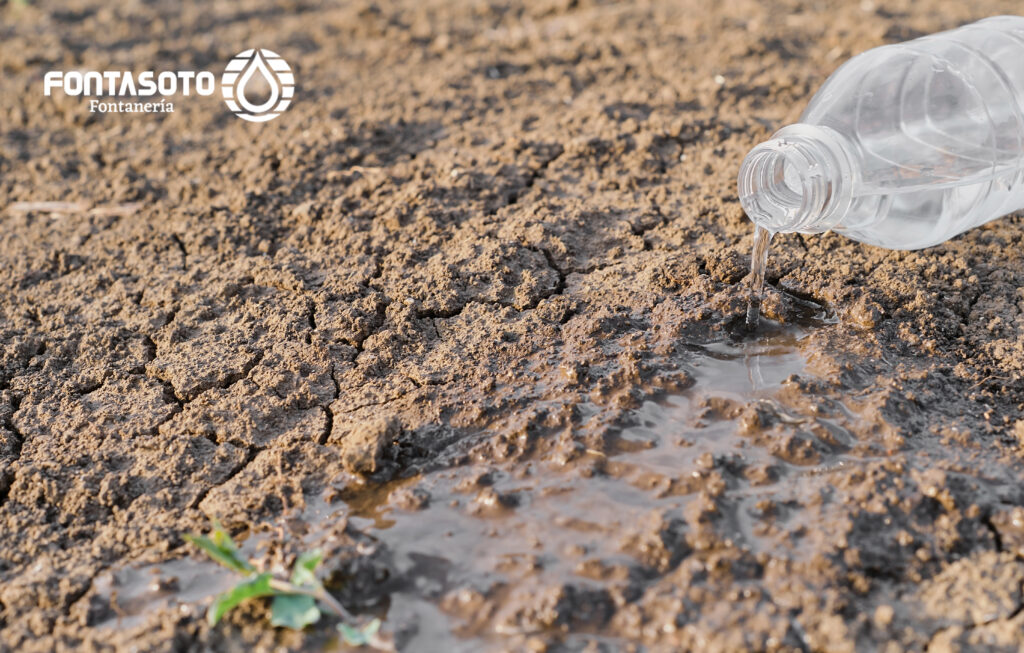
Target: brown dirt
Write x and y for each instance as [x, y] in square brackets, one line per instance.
[483, 244]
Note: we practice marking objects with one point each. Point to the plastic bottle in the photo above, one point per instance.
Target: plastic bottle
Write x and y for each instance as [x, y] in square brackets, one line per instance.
[905, 146]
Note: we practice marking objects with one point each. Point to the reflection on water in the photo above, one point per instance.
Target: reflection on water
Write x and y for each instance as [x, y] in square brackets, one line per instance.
[492, 530]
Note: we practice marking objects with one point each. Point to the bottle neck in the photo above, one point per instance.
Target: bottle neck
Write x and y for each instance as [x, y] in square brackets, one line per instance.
[799, 180]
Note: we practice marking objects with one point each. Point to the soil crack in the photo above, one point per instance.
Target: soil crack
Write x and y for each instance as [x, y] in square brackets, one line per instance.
[19, 445]
[181, 248]
[996, 537]
[328, 410]
[560, 285]
[169, 393]
[535, 174]
[250, 455]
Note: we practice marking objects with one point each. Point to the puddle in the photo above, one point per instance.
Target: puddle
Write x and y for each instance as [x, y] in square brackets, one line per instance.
[125, 597]
[132, 593]
[500, 531]
[471, 546]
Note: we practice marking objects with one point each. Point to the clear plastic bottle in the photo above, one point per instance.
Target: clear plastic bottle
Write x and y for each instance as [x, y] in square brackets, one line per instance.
[905, 146]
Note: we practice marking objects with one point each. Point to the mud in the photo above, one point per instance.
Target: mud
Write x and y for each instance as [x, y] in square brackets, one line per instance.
[469, 315]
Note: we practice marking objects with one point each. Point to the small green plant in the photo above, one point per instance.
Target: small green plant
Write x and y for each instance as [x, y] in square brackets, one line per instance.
[296, 601]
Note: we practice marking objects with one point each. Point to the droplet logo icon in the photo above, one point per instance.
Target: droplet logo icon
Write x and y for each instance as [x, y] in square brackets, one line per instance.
[258, 85]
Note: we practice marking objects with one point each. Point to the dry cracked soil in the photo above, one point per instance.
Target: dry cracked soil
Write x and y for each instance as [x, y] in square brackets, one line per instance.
[466, 317]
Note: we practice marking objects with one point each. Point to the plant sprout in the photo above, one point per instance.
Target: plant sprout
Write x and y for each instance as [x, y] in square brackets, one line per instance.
[296, 601]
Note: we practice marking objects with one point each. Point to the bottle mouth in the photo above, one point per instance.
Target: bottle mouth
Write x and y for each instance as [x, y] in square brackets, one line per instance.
[792, 182]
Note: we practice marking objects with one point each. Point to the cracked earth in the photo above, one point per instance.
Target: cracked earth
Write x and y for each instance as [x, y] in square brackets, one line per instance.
[461, 281]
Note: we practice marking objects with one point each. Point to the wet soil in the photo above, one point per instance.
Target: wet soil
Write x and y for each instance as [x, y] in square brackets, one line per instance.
[469, 316]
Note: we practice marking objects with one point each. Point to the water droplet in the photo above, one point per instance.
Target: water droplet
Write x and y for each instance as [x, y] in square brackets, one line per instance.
[257, 64]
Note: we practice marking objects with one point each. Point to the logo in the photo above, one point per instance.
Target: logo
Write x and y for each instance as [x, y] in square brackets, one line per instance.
[257, 86]
[273, 73]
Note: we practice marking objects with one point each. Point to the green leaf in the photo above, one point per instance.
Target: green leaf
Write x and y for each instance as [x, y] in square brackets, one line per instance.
[304, 571]
[221, 548]
[224, 556]
[359, 636]
[255, 587]
[294, 611]
[222, 538]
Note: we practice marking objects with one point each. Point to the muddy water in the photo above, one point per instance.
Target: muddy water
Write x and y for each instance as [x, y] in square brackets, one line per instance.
[489, 530]
[131, 593]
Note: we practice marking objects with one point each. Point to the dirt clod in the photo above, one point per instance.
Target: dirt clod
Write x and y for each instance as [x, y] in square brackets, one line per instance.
[364, 445]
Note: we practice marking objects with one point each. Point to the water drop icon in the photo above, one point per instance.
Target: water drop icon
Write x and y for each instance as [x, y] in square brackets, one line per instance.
[246, 73]
[257, 65]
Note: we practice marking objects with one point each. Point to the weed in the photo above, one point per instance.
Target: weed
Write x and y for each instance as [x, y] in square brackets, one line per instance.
[296, 601]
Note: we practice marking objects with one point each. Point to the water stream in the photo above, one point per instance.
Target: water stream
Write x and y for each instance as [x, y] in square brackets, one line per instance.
[758, 263]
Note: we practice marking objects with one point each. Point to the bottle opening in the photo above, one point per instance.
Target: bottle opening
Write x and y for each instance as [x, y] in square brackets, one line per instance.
[789, 183]
[781, 180]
